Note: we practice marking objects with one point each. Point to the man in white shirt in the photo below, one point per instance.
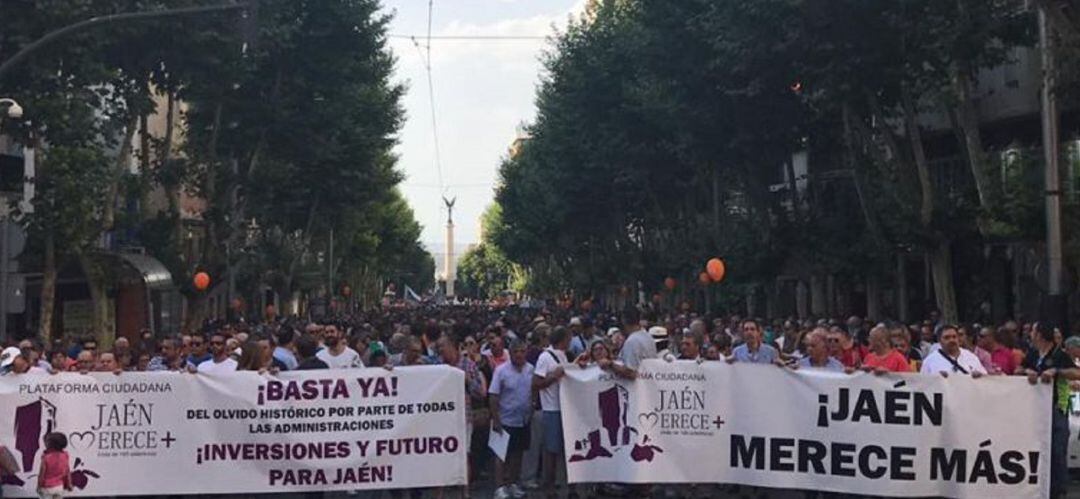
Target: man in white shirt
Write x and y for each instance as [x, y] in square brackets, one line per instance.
[221, 362]
[337, 354]
[546, 377]
[950, 358]
[639, 344]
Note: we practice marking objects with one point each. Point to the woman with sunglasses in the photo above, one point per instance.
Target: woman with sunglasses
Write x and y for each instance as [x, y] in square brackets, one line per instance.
[599, 355]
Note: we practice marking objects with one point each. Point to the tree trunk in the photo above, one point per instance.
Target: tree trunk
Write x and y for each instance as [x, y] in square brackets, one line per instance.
[196, 312]
[817, 296]
[968, 122]
[108, 216]
[940, 250]
[716, 205]
[873, 297]
[944, 289]
[174, 186]
[901, 287]
[96, 281]
[922, 168]
[144, 165]
[48, 289]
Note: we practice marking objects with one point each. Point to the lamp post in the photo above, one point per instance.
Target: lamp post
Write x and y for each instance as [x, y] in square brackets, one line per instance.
[14, 111]
[1055, 306]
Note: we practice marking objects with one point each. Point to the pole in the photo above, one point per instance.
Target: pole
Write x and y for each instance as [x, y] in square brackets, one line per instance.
[4, 259]
[1055, 306]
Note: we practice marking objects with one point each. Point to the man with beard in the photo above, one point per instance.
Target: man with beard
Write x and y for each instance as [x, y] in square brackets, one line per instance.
[220, 362]
[338, 354]
[169, 359]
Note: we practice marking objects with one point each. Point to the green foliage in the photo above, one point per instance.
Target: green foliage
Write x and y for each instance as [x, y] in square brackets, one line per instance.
[286, 140]
[665, 132]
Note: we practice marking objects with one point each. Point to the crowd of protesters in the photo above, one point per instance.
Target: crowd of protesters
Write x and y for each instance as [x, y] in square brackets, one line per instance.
[515, 358]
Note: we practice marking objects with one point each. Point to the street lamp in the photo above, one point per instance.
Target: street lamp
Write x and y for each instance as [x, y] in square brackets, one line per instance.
[14, 110]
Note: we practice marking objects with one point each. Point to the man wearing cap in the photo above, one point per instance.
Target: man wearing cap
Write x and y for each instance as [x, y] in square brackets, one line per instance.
[7, 360]
[662, 340]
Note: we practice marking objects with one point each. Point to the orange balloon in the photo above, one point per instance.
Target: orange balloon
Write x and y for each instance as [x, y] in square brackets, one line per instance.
[716, 269]
[202, 281]
[669, 283]
[704, 278]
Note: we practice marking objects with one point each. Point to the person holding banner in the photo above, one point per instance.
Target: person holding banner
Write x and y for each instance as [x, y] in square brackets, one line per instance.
[220, 362]
[817, 353]
[449, 351]
[599, 355]
[950, 358]
[1048, 363]
[753, 350]
[169, 358]
[883, 358]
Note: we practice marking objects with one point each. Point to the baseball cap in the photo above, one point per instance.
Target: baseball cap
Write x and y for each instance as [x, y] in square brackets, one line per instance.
[576, 321]
[8, 356]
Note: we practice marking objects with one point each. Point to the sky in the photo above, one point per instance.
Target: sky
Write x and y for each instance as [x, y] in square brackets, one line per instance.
[483, 90]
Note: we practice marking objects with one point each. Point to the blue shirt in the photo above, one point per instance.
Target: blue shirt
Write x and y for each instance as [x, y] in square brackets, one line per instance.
[830, 365]
[765, 354]
[193, 361]
[286, 358]
[514, 388]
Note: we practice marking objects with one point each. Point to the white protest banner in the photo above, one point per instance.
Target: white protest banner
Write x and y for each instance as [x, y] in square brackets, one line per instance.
[177, 433]
[761, 425]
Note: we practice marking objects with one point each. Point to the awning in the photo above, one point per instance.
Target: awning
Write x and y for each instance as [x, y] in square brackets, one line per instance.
[154, 273]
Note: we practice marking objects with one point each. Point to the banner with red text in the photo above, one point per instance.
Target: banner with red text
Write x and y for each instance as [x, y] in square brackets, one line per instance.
[761, 425]
[176, 433]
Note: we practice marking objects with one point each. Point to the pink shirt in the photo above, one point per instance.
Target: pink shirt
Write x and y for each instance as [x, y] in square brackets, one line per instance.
[54, 469]
[1004, 360]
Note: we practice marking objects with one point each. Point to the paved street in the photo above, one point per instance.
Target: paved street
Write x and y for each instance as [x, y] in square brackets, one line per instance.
[484, 490]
